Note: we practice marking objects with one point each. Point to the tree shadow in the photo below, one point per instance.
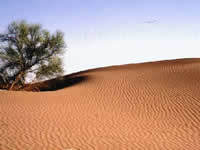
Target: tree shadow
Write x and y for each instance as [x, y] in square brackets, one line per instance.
[56, 84]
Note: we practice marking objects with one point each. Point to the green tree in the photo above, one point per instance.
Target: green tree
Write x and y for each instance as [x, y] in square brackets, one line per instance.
[29, 49]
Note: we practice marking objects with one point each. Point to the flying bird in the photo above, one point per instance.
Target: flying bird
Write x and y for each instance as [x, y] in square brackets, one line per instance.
[151, 21]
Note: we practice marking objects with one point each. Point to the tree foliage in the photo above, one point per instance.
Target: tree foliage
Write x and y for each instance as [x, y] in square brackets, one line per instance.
[27, 48]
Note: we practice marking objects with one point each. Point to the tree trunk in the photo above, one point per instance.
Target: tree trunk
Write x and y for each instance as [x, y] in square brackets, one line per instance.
[19, 76]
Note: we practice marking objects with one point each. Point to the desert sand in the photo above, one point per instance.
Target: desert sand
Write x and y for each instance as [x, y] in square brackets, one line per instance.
[147, 106]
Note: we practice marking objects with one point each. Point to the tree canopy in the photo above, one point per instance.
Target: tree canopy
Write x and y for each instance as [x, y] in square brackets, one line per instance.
[29, 49]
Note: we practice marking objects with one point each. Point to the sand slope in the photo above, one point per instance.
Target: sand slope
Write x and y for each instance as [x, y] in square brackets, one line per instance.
[149, 106]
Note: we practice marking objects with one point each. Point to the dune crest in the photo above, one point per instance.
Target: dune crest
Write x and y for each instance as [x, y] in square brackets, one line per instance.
[148, 106]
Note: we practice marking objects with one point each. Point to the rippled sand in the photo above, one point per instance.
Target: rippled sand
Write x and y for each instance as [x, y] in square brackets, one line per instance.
[149, 106]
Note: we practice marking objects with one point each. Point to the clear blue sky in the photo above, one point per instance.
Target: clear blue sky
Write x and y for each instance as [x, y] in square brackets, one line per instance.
[109, 32]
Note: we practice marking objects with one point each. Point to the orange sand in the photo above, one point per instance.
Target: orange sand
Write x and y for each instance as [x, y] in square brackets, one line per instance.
[149, 106]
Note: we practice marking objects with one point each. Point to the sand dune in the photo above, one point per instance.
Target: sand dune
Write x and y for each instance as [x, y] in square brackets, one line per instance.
[149, 106]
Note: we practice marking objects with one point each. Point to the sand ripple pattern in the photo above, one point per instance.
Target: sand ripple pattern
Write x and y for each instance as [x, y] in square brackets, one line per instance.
[149, 106]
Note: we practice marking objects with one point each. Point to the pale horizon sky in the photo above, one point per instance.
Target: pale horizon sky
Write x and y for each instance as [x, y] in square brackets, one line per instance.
[112, 32]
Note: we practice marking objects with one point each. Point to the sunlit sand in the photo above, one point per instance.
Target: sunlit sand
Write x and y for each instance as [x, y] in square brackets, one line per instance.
[148, 106]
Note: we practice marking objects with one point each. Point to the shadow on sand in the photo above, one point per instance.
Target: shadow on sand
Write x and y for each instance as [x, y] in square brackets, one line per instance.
[56, 84]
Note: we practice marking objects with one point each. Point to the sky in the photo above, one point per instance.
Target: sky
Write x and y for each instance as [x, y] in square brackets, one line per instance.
[102, 33]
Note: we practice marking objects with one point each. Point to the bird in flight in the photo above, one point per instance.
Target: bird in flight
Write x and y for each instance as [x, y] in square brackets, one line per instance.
[151, 21]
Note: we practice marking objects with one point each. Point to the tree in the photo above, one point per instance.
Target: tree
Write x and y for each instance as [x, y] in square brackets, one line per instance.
[29, 49]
